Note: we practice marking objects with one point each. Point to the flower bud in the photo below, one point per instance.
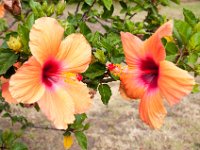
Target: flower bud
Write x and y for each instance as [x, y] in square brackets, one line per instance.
[197, 69]
[60, 8]
[14, 43]
[111, 67]
[50, 10]
[68, 141]
[116, 69]
[44, 6]
[79, 77]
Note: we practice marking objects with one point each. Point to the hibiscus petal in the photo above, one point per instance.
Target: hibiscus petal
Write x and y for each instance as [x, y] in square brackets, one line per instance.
[151, 109]
[153, 46]
[133, 48]
[76, 52]
[6, 94]
[165, 30]
[123, 92]
[25, 84]
[80, 95]
[2, 10]
[3, 80]
[174, 82]
[132, 85]
[58, 106]
[45, 38]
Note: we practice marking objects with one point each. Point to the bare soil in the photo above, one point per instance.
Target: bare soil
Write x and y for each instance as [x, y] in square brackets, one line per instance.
[118, 127]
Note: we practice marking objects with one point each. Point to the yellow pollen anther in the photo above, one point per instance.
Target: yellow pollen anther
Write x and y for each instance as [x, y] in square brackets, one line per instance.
[69, 77]
[169, 38]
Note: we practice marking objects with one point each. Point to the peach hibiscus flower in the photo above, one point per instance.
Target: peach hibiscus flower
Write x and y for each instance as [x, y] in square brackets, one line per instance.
[150, 77]
[49, 76]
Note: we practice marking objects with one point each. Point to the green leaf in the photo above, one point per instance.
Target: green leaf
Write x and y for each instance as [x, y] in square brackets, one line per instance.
[195, 89]
[23, 32]
[3, 25]
[183, 29]
[30, 21]
[50, 10]
[95, 38]
[87, 126]
[9, 72]
[84, 28]
[60, 8]
[107, 4]
[70, 29]
[194, 42]
[8, 137]
[189, 17]
[82, 140]
[176, 1]
[7, 59]
[80, 118]
[105, 93]
[192, 58]
[171, 48]
[19, 146]
[117, 58]
[89, 2]
[197, 27]
[44, 6]
[164, 2]
[95, 70]
[123, 5]
[37, 108]
[129, 25]
[36, 7]
[99, 54]
[93, 84]
[107, 13]
[114, 76]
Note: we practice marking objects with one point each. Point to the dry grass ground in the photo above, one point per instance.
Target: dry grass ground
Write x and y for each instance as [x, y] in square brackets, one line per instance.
[118, 127]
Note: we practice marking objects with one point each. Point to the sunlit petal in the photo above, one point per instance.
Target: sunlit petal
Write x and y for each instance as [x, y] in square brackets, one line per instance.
[45, 38]
[152, 110]
[80, 95]
[174, 82]
[153, 46]
[165, 30]
[6, 94]
[76, 52]
[25, 84]
[58, 106]
[133, 48]
[132, 84]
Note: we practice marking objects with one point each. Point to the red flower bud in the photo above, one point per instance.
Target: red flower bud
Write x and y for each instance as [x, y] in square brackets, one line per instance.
[79, 77]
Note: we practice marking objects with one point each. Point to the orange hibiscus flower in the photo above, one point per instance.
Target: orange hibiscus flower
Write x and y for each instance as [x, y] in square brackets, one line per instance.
[2, 10]
[150, 77]
[49, 77]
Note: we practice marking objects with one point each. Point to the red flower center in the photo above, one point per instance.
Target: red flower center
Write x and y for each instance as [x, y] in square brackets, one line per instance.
[50, 72]
[150, 72]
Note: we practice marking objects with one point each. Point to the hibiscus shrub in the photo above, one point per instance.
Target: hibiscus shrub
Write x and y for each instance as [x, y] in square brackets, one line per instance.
[37, 67]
